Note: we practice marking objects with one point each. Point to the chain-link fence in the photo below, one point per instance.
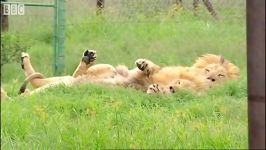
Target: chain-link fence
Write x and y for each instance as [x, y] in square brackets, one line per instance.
[37, 16]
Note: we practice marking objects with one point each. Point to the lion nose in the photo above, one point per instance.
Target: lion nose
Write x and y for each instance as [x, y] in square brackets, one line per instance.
[209, 78]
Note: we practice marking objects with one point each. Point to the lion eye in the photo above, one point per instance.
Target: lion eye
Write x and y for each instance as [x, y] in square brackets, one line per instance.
[220, 75]
[207, 70]
[177, 82]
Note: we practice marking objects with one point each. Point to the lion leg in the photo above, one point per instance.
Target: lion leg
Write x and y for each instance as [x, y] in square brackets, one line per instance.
[87, 60]
[154, 89]
[158, 89]
[141, 76]
[147, 67]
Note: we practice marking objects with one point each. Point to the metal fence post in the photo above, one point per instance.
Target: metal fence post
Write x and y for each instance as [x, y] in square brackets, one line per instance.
[4, 18]
[59, 37]
[55, 36]
[100, 6]
[256, 72]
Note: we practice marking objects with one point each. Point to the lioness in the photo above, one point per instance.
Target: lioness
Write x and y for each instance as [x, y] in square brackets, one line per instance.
[37, 79]
[85, 72]
[208, 70]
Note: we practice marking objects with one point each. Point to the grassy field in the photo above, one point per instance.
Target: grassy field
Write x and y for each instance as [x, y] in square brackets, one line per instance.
[98, 117]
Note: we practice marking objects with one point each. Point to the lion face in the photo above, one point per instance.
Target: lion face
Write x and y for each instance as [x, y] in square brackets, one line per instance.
[215, 73]
[216, 68]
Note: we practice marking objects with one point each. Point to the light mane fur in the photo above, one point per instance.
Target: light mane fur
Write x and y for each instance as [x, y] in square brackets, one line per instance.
[233, 71]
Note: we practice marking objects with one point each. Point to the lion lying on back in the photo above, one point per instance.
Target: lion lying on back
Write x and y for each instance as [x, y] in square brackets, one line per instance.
[207, 71]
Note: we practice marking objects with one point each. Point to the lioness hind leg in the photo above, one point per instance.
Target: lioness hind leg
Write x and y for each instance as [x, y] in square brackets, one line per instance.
[26, 64]
[147, 66]
[36, 79]
[88, 57]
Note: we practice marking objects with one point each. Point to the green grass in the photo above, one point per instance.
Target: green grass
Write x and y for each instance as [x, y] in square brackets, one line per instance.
[98, 117]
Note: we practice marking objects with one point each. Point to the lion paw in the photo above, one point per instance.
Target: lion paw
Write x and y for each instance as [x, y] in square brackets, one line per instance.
[89, 56]
[154, 88]
[143, 65]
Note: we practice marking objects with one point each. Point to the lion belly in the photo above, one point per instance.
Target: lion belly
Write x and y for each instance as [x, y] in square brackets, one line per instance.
[168, 74]
[102, 71]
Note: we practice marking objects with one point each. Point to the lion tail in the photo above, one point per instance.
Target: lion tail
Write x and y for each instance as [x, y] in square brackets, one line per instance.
[23, 87]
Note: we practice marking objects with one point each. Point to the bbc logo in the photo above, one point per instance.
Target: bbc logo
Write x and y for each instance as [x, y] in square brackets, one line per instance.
[14, 9]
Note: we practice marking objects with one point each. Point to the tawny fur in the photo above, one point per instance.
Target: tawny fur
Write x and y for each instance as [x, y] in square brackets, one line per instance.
[85, 72]
[28, 79]
[208, 70]
[198, 77]
[233, 71]
[4, 95]
[186, 81]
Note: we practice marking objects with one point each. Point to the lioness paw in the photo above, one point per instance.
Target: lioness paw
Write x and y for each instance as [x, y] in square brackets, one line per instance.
[23, 55]
[89, 56]
[143, 65]
[154, 88]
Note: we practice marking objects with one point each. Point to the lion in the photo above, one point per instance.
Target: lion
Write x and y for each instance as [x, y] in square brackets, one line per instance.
[208, 71]
[185, 81]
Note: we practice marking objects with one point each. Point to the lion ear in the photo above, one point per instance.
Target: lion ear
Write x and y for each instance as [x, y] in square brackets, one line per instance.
[222, 60]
